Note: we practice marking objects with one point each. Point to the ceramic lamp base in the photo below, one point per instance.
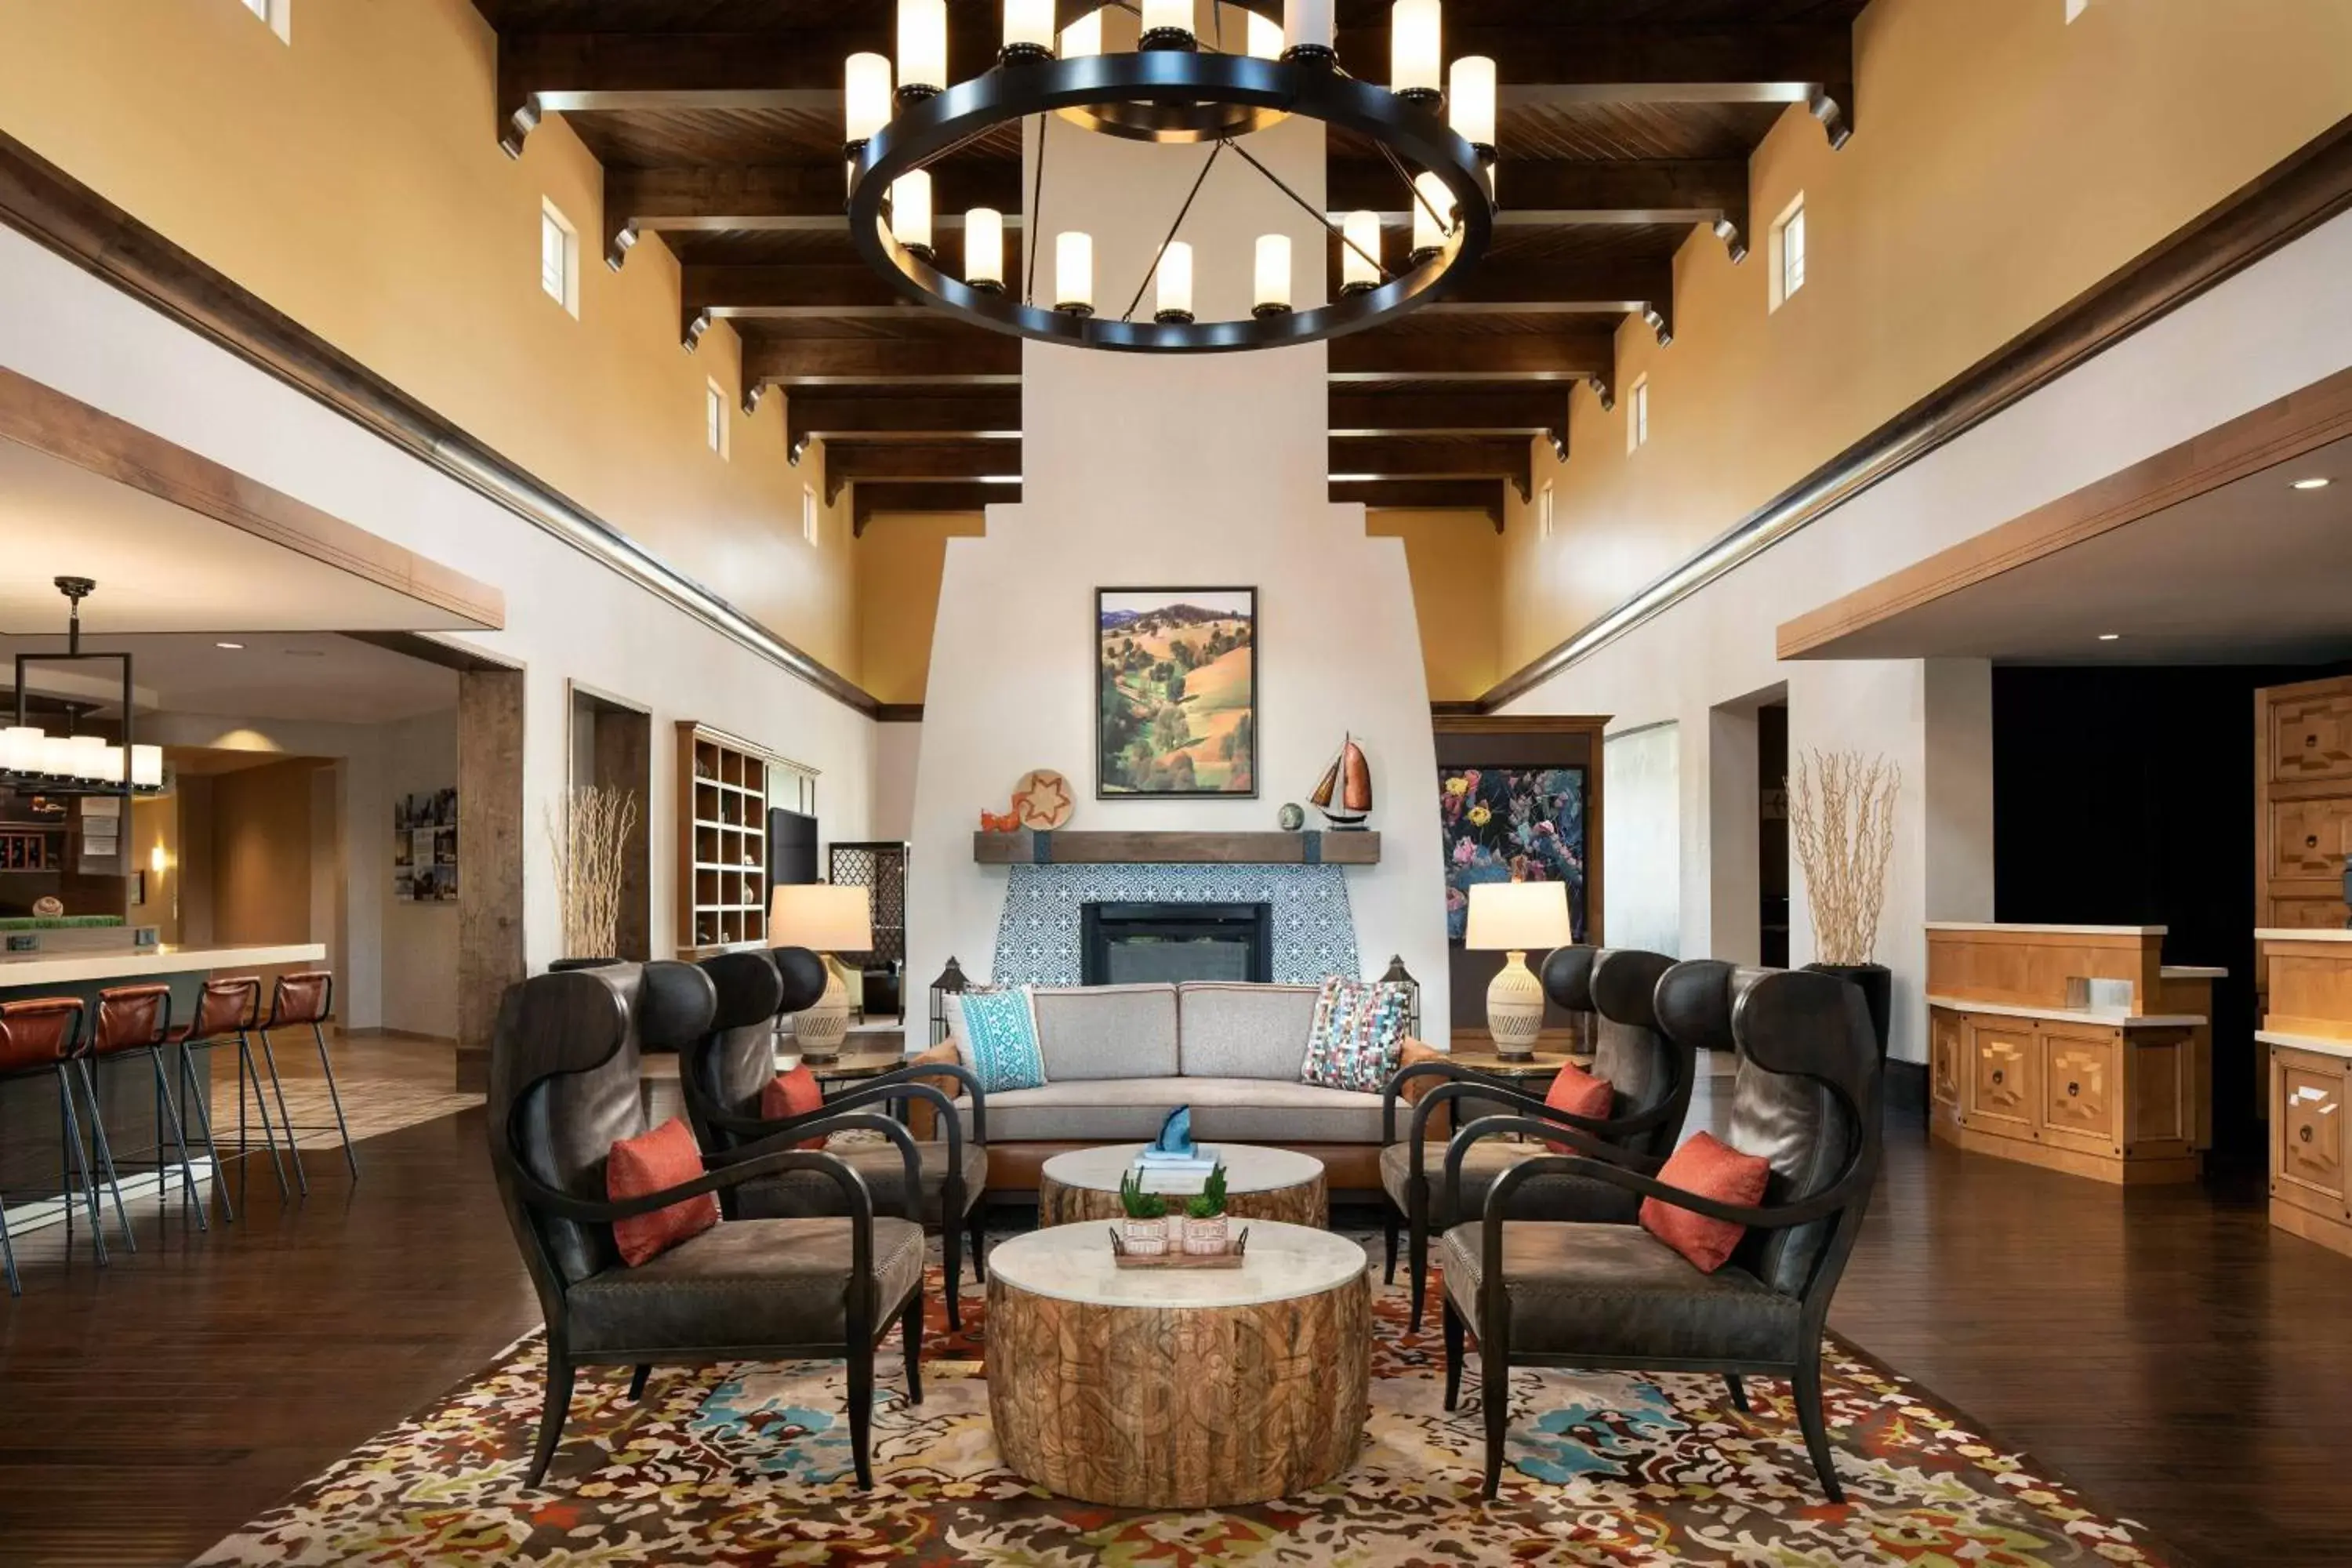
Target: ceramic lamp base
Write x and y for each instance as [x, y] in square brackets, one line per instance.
[820, 1030]
[1515, 1009]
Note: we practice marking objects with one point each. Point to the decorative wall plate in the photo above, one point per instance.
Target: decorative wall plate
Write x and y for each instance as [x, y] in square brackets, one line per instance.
[1043, 800]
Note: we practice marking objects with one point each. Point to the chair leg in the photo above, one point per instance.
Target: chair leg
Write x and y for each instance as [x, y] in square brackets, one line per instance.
[335, 1098]
[70, 1132]
[637, 1382]
[1390, 1233]
[552, 1418]
[285, 1120]
[912, 1326]
[977, 1239]
[1454, 1336]
[1418, 1265]
[861, 1408]
[247, 1065]
[1809, 1417]
[105, 1150]
[1494, 1398]
[171, 1114]
[194, 1094]
[952, 1247]
[8, 1249]
[1738, 1392]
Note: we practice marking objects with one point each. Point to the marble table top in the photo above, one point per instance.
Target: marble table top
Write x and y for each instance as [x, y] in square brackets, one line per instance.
[1072, 1263]
[1249, 1168]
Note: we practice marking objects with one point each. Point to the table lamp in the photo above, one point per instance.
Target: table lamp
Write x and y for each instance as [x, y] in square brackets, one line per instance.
[1516, 918]
[825, 919]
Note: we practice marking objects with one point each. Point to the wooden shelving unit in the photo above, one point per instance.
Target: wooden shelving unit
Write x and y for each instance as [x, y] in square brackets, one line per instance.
[723, 855]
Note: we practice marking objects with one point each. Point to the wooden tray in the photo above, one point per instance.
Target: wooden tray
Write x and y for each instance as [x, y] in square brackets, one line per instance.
[1176, 1258]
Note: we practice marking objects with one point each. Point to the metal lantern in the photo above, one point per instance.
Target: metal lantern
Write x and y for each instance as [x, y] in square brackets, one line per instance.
[1400, 976]
[950, 983]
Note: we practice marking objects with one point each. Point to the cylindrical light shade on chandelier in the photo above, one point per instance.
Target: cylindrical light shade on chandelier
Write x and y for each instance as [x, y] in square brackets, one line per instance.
[866, 96]
[910, 210]
[983, 247]
[1165, 20]
[1308, 25]
[922, 47]
[1265, 37]
[1416, 50]
[111, 765]
[1433, 215]
[147, 766]
[85, 757]
[1029, 27]
[1174, 296]
[1359, 257]
[1273, 272]
[1083, 37]
[22, 749]
[1471, 103]
[1074, 272]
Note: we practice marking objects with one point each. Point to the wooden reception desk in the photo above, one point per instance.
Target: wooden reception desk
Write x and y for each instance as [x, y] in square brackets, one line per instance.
[2119, 1093]
[2308, 1028]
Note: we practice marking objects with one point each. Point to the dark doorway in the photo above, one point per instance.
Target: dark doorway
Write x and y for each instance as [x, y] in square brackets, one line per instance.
[1772, 833]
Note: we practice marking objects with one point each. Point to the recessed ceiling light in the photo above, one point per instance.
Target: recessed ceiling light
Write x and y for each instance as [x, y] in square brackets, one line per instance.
[2314, 483]
[231, 646]
[2109, 637]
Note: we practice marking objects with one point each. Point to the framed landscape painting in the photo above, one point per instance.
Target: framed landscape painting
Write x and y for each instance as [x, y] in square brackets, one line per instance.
[1175, 692]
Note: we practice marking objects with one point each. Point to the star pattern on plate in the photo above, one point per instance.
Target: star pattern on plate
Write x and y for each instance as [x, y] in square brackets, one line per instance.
[1043, 800]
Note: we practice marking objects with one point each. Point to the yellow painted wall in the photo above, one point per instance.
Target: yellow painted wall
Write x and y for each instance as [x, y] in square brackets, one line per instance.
[155, 825]
[2004, 161]
[352, 178]
[900, 562]
[1456, 561]
[261, 854]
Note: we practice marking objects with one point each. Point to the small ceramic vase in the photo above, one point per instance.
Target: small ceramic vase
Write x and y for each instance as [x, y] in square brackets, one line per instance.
[1207, 1237]
[1145, 1237]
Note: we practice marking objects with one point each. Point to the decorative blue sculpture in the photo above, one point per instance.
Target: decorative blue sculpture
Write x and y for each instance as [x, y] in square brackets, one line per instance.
[1175, 1134]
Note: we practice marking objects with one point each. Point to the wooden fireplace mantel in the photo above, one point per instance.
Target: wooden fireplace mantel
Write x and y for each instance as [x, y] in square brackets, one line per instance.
[1066, 848]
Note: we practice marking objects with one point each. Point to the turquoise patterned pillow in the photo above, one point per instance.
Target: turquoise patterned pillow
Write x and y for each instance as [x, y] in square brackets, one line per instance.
[1000, 1039]
[1357, 1033]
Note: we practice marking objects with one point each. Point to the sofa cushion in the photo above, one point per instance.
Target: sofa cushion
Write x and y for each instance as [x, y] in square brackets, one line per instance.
[999, 1040]
[1235, 1109]
[1227, 1030]
[1106, 1032]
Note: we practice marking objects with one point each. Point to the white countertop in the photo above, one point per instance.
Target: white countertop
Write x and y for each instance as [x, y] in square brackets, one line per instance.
[2294, 933]
[2192, 971]
[1072, 1263]
[83, 968]
[2071, 1014]
[2050, 930]
[2319, 1043]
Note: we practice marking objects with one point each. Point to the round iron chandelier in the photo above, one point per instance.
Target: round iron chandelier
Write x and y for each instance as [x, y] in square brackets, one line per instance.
[1176, 88]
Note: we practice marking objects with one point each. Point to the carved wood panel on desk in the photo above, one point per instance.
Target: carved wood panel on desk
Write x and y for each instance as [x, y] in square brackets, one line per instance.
[2103, 1100]
[2079, 1072]
[2303, 817]
[2001, 1074]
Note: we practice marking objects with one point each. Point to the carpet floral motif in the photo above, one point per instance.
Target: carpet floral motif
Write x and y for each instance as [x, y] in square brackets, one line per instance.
[749, 1464]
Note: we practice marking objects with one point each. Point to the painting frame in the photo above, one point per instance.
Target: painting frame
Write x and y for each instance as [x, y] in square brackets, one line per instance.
[1492, 830]
[1115, 766]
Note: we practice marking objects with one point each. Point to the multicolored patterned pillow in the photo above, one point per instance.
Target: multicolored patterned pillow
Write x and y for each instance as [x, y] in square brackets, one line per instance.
[999, 1038]
[1358, 1030]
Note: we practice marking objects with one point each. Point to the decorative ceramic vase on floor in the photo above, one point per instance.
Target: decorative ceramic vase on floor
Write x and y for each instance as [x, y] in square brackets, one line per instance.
[1145, 1237]
[1207, 1237]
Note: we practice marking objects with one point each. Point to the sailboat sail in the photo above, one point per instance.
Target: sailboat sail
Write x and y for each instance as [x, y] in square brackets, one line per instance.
[1350, 780]
[1321, 799]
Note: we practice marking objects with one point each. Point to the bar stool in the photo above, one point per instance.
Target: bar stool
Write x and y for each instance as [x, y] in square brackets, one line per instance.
[40, 1036]
[136, 1018]
[305, 998]
[227, 1010]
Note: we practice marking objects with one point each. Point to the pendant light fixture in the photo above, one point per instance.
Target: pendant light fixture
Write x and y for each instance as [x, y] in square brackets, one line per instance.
[922, 49]
[1416, 51]
[983, 249]
[1273, 295]
[910, 213]
[1074, 273]
[1359, 253]
[1173, 278]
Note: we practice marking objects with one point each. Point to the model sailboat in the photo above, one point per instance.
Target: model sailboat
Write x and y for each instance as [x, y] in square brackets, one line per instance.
[1349, 779]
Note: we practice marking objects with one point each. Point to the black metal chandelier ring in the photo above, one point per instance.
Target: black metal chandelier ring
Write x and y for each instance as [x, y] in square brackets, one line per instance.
[1008, 94]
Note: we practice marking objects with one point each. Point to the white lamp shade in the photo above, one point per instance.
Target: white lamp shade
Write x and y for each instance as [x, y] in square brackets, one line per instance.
[1265, 37]
[1273, 271]
[59, 757]
[1518, 917]
[910, 208]
[1471, 103]
[1432, 199]
[1416, 50]
[865, 96]
[22, 748]
[85, 757]
[1175, 15]
[1029, 22]
[821, 918]
[984, 246]
[110, 765]
[147, 766]
[1174, 276]
[1074, 269]
[1359, 258]
[1083, 37]
[923, 44]
[1307, 23]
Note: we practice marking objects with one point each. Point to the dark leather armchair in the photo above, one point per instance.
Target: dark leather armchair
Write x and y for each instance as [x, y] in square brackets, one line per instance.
[723, 1070]
[1543, 1293]
[1650, 1071]
[564, 1089]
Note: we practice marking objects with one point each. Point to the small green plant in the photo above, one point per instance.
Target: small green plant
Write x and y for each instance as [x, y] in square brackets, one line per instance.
[1211, 1201]
[1138, 1204]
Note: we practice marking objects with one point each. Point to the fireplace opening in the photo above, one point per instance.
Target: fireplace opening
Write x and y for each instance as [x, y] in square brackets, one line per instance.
[1124, 944]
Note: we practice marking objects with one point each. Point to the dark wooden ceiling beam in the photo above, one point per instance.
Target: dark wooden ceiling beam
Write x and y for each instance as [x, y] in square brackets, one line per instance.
[1390, 458]
[1609, 286]
[1547, 193]
[1560, 356]
[964, 361]
[871, 498]
[1523, 412]
[811, 197]
[844, 290]
[813, 414]
[846, 462]
[1428, 495]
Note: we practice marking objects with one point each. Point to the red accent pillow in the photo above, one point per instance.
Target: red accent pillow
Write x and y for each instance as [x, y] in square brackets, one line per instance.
[1579, 1093]
[794, 1093]
[664, 1157]
[1706, 1165]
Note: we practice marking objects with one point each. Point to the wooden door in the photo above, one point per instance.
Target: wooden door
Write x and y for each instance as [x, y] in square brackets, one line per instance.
[2081, 1088]
[2307, 1137]
[2001, 1074]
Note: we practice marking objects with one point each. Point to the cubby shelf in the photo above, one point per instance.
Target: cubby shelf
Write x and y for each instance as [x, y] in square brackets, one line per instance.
[721, 900]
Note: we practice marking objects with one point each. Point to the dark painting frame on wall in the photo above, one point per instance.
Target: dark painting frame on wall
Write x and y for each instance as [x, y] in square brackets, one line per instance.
[1513, 823]
[1176, 693]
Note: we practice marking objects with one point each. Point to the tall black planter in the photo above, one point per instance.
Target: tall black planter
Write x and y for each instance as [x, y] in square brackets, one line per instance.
[1877, 983]
[564, 965]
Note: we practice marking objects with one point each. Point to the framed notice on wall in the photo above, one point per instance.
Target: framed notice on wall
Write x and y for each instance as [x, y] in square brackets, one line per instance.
[425, 847]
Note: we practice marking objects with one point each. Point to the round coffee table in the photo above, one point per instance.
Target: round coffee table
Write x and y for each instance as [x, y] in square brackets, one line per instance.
[1260, 1183]
[1179, 1388]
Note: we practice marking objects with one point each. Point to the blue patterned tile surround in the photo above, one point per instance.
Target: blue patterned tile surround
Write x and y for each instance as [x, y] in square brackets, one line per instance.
[1037, 935]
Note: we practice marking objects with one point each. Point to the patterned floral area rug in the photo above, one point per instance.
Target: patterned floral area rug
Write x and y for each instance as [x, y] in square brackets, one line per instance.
[749, 1464]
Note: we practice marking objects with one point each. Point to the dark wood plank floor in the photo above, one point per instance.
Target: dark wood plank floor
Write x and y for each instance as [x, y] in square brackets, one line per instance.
[2165, 1350]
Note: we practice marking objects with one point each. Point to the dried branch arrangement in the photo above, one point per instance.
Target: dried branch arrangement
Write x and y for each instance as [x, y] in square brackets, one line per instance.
[588, 828]
[1842, 817]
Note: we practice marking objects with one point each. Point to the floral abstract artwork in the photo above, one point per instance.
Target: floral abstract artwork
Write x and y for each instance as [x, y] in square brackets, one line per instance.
[1176, 691]
[1511, 823]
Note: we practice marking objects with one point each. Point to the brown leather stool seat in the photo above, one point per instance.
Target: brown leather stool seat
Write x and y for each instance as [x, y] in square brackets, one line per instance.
[43, 1035]
[134, 1018]
[228, 1009]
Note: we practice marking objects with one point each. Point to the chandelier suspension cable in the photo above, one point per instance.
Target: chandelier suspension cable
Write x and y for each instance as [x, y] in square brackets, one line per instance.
[1307, 207]
[1444, 224]
[1033, 227]
[1182, 212]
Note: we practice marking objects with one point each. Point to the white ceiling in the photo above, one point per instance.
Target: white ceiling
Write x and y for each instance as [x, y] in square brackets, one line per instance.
[161, 567]
[2253, 573]
[277, 675]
